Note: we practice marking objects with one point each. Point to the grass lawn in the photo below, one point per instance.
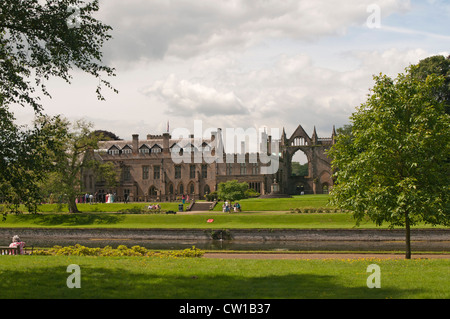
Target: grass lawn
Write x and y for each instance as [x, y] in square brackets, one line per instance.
[107, 208]
[221, 220]
[27, 277]
[257, 213]
[253, 204]
[281, 204]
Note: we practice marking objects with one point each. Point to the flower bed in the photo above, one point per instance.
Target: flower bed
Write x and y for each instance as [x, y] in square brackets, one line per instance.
[121, 250]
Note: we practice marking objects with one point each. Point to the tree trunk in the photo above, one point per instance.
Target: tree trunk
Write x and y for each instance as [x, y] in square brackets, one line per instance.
[408, 237]
[73, 206]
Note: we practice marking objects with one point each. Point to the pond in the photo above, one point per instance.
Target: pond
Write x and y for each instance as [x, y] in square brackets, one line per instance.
[274, 245]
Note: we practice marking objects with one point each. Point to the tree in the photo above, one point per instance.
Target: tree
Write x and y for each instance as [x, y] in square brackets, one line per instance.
[24, 161]
[438, 65]
[106, 135]
[344, 130]
[299, 169]
[395, 167]
[232, 190]
[40, 40]
[75, 152]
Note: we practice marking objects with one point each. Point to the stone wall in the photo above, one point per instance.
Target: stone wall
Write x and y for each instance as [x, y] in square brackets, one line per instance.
[28, 234]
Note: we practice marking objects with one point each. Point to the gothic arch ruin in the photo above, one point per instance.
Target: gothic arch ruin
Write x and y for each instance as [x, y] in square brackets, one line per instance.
[319, 178]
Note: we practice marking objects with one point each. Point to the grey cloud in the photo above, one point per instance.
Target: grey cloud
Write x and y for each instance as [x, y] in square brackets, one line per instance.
[154, 29]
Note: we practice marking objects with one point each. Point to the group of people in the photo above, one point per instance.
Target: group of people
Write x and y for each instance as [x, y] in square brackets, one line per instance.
[109, 198]
[156, 206]
[226, 207]
[98, 198]
[86, 198]
[185, 198]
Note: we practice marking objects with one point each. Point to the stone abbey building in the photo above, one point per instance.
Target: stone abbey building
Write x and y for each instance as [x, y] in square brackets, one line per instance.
[161, 168]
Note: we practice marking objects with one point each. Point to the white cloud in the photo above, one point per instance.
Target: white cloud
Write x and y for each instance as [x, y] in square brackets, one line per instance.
[186, 98]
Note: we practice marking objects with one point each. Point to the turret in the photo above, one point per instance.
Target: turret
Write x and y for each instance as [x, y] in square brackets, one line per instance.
[314, 137]
[333, 134]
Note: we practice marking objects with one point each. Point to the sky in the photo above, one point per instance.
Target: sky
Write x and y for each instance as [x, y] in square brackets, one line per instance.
[247, 63]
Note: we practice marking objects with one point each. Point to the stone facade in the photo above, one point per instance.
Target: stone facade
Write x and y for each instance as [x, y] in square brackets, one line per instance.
[160, 168]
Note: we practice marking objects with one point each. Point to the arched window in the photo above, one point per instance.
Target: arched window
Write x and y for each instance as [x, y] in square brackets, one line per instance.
[207, 190]
[180, 189]
[191, 188]
[171, 189]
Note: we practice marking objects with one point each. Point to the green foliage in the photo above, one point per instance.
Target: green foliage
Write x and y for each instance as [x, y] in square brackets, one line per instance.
[36, 44]
[73, 155]
[315, 210]
[299, 169]
[36, 41]
[120, 251]
[437, 65]
[232, 190]
[395, 168]
[345, 134]
[134, 210]
[249, 193]
[211, 196]
[24, 160]
[139, 209]
[103, 135]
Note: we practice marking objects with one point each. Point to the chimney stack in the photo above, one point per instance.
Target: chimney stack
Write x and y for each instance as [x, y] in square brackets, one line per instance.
[135, 143]
[166, 140]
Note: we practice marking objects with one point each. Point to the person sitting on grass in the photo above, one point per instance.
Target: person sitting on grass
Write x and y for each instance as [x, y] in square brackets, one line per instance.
[16, 242]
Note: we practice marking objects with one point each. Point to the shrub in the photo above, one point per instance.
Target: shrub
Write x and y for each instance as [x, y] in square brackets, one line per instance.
[134, 210]
[121, 250]
[140, 210]
[309, 210]
[250, 193]
[211, 196]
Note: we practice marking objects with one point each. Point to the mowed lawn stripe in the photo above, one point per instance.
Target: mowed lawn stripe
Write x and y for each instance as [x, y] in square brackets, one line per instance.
[220, 220]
